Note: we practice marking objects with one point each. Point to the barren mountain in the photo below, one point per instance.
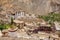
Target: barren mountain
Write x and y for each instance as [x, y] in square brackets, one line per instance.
[30, 6]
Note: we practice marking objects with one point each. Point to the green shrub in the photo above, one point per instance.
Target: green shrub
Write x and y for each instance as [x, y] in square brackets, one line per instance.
[51, 17]
[4, 26]
[1, 27]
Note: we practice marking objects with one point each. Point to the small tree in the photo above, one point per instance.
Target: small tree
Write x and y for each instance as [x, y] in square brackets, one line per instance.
[11, 20]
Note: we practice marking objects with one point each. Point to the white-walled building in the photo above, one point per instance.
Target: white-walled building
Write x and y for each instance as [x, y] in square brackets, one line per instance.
[57, 26]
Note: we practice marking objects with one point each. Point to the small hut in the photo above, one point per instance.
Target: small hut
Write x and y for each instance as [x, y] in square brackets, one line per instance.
[19, 23]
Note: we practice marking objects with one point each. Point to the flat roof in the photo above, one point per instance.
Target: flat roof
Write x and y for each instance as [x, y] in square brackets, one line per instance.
[18, 21]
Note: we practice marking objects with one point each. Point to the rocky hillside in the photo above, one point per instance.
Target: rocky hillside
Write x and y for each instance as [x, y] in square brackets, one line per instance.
[29, 6]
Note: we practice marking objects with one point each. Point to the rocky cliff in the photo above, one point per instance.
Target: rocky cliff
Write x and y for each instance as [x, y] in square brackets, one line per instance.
[41, 7]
